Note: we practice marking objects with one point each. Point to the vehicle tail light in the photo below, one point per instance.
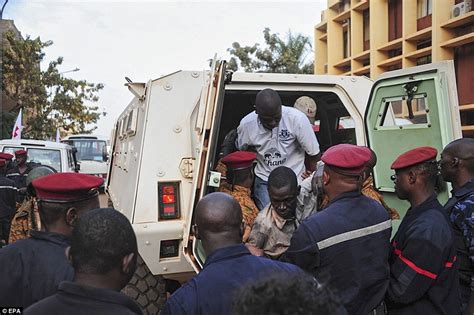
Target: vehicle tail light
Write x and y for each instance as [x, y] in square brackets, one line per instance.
[169, 248]
[168, 201]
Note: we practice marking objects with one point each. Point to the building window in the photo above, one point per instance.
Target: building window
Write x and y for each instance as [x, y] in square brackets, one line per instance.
[346, 39]
[425, 8]
[394, 52]
[423, 44]
[423, 60]
[344, 5]
[366, 25]
[394, 19]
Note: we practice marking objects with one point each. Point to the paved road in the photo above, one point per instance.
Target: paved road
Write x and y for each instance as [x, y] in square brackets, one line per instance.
[103, 200]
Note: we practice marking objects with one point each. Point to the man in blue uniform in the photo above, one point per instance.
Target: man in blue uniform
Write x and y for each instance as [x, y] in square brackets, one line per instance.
[8, 162]
[457, 167]
[8, 193]
[229, 264]
[104, 260]
[19, 171]
[346, 244]
[423, 275]
[32, 268]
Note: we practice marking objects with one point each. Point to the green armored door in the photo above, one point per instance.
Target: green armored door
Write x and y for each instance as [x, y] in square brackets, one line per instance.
[409, 108]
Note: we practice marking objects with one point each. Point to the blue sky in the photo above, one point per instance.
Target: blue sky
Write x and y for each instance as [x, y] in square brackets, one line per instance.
[142, 40]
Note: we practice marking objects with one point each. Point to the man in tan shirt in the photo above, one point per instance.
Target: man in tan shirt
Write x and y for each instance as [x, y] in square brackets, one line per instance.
[275, 224]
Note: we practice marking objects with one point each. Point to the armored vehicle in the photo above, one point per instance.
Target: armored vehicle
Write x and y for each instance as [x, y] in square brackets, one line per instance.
[164, 145]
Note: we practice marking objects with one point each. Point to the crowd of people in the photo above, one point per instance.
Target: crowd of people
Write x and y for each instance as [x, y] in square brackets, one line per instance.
[290, 231]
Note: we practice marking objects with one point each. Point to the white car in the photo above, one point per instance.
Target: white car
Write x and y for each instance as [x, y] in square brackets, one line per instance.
[59, 156]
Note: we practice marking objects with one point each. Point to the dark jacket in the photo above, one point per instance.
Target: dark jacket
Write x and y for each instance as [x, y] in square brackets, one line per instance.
[346, 245]
[423, 265]
[19, 178]
[73, 298]
[8, 195]
[225, 270]
[32, 269]
[460, 209]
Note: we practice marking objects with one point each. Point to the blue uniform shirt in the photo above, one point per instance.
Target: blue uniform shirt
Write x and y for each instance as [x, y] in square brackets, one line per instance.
[460, 208]
[32, 269]
[422, 264]
[225, 270]
[346, 245]
[73, 298]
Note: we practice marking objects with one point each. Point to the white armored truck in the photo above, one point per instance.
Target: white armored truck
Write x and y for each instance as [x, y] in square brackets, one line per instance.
[164, 145]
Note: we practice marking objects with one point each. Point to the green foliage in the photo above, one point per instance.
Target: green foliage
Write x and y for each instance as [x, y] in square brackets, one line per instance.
[49, 100]
[277, 55]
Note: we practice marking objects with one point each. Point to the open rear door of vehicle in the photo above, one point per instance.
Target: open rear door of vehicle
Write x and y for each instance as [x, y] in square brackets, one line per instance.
[409, 108]
[208, 117]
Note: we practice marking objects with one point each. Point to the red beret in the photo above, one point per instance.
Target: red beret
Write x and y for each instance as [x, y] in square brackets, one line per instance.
[63, 187]
[239, 160]
[20, 152]
[414, 156]
[351, 159]
[6, 156]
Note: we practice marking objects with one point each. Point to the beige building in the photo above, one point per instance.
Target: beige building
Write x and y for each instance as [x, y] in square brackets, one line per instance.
[369, 37]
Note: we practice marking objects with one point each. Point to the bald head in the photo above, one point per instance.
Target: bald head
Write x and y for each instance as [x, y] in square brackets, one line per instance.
[219, 221]
[268, 99]
[461, 148]
[268, 108]
[457, 161]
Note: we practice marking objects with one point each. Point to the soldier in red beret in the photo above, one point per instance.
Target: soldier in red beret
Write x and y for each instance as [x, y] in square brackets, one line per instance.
[423, 273]
[104, 261]
[8, 193]
[8, 160]
[239, 180]
[19, 171]
[349, 239]
[32, 268]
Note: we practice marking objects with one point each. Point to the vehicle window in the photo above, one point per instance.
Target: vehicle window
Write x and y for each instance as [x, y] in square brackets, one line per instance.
[45, 157]
[11, 150]
[124, 126]
[90, 150]
[70, 159]
[345, 130]
[396, 113]
[129, 121]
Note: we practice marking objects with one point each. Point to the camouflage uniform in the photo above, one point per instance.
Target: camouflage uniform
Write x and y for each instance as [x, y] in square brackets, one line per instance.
[25, 220]
[460, 209]
[249, 209]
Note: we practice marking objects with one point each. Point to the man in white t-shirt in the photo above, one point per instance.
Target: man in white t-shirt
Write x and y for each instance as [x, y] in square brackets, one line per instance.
[281, 136]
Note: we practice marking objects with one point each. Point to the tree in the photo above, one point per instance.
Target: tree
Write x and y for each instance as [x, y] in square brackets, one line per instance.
[49, 100]
[278, 55]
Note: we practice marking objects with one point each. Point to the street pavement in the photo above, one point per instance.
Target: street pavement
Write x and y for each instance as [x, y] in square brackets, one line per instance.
[103, 200]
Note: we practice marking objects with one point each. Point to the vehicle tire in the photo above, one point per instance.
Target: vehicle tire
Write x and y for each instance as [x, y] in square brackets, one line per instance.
[146, 289]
